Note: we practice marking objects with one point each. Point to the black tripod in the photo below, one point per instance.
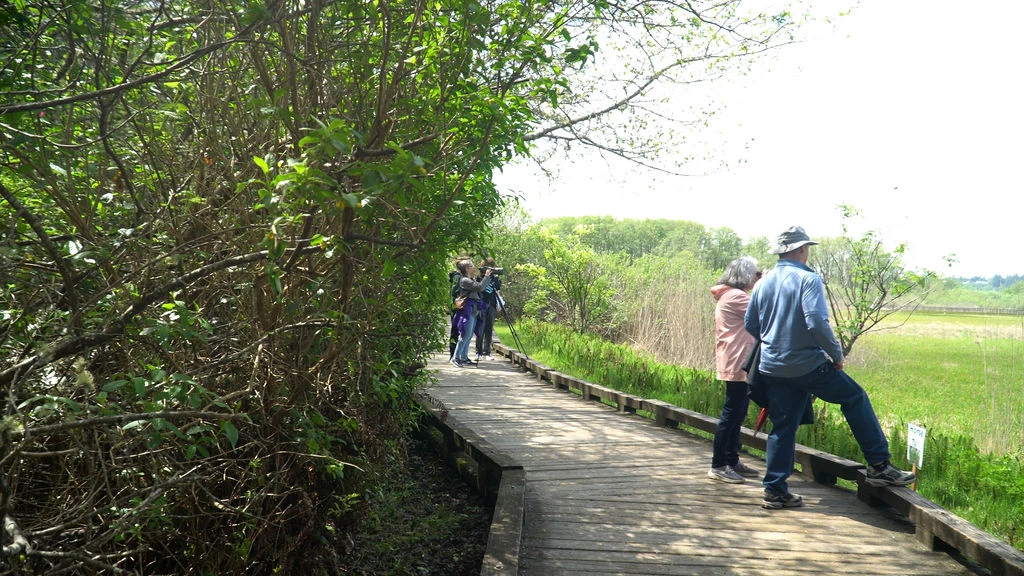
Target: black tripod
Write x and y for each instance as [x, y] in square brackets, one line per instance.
[512, 329]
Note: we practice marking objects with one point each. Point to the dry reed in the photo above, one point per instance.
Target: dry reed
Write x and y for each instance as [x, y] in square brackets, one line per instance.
[675, 322]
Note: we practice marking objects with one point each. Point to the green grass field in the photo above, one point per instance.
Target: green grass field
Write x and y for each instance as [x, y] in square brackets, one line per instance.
[963, 373]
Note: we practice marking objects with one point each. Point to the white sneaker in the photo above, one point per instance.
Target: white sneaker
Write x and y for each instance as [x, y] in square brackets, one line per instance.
[725, 474]
[488, 357]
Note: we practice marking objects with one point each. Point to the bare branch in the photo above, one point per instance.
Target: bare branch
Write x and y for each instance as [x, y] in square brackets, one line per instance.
[122, 419]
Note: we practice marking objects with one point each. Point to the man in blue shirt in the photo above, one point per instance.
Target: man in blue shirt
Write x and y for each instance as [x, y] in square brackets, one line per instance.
[801, 356]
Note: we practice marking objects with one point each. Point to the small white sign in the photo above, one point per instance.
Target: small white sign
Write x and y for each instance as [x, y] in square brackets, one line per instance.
[915, 444]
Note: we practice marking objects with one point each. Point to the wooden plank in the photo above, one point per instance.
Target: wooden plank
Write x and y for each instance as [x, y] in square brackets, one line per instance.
[555, 562]
[940, 529]
[501, 556]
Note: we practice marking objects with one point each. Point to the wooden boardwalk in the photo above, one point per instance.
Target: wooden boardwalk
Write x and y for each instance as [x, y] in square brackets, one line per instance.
[613, 493]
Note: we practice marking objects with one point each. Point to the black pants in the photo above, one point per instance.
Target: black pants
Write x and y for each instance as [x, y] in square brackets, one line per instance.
[483, 341]
[453, 339]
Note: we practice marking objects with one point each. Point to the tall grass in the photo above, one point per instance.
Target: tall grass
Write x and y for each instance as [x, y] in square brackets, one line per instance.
[674, 320]
[985, 488]
[618, 366]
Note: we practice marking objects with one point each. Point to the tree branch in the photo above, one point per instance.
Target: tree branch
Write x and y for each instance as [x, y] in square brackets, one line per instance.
[149, 78]
[122, 419]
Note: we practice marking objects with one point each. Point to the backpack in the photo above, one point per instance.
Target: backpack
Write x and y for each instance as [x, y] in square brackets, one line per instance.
[455, 278]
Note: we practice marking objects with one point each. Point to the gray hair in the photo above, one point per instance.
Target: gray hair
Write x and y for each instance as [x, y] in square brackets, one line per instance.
[740, 273]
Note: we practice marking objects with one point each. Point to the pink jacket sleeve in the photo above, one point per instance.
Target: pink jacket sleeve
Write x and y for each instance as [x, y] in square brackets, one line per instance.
[732, 341]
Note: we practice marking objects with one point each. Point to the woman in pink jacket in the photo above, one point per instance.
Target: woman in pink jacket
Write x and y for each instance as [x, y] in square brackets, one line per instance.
[732, 344]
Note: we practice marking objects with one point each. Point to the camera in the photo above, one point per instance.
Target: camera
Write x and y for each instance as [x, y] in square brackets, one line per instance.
[494, 271]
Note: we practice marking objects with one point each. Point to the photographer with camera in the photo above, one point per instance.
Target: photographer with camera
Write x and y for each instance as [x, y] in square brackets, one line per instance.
[490, 296]
[468, 310]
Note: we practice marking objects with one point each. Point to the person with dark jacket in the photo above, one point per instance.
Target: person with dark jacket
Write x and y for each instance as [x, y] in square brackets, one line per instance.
[453, 278]
[490, 295]
[465, 318]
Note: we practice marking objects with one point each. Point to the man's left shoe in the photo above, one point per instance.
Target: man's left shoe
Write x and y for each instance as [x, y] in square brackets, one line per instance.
[774, 501]
[889, 475]
[745, 471]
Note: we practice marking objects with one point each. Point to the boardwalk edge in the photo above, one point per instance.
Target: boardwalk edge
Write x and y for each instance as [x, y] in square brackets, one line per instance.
[497, 477]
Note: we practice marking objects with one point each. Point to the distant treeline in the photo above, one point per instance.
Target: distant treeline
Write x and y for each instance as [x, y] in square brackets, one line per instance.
[971, 294]
[996, 282]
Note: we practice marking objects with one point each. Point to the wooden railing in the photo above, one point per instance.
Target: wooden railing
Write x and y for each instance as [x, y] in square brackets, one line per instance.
[972, 310]
[936, 527]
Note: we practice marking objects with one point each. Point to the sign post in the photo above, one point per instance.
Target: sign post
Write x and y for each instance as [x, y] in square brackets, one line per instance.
[915, 448]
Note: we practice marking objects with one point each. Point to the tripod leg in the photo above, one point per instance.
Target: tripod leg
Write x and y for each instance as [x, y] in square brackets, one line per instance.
[512, 329]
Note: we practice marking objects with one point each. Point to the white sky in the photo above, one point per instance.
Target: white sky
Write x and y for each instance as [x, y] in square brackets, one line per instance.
[912, 111]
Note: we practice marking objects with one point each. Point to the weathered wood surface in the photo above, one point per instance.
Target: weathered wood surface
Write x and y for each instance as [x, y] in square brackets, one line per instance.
[612, 493]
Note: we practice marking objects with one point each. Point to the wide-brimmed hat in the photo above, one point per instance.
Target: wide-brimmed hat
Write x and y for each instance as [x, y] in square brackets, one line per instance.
[793, 238]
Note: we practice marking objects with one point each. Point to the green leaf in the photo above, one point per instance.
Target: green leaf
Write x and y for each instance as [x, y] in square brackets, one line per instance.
[140, 386]
[230, 432]
[262, 164]
[114, 385]
[351, 200]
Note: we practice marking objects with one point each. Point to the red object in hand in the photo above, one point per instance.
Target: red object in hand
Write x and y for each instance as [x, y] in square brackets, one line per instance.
[761, 417]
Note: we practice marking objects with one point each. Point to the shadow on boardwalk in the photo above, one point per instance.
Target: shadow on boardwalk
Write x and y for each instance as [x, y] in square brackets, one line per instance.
[614, 493]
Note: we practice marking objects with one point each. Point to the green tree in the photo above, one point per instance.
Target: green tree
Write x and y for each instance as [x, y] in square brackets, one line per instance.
[721, 246]
[864, 282]
[574, 284]
[663, 47]
[224, 230]
[514, 242]
[225, 233]
[760, 248]
[683, 237]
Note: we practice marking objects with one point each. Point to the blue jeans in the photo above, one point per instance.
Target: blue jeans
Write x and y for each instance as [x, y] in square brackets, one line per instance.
[786, 400]
[726, 447]
[462, 347]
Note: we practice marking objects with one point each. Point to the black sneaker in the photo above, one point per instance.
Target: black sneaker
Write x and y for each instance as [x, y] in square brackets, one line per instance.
[773, 501]
[888, 475]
